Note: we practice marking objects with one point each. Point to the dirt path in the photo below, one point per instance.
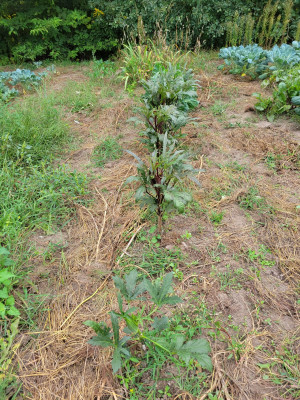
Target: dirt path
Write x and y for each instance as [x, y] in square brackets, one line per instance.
[244, 264]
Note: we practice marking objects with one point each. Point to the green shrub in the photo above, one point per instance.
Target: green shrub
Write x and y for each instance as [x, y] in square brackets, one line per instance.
[79, 29]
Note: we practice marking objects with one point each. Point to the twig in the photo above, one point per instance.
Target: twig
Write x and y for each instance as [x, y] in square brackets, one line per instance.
[84, 301]
[129, 243]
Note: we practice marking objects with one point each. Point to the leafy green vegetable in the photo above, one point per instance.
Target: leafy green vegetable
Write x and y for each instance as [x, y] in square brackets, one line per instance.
[143, 326]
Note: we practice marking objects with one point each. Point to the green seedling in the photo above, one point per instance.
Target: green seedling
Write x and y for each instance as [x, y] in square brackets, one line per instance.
[216, 218]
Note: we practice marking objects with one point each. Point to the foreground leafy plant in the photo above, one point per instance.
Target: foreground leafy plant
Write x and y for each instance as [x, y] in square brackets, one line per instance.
[145, 324]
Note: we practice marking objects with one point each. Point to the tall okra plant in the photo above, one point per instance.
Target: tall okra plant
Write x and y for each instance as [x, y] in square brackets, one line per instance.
[169, 95]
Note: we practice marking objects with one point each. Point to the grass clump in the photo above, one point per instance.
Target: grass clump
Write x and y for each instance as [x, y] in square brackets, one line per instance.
[140, 60]
[31, 131]
[108, 150]
[34, 195]
[43, 198]
[79, 97]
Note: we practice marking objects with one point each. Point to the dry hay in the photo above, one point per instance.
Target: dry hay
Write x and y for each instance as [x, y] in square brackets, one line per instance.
[56, 362]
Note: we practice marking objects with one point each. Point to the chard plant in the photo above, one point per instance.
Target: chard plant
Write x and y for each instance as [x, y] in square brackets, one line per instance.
[144, 325]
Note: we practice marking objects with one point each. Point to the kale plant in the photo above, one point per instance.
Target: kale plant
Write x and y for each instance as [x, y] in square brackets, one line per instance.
[24, 77]
[250, 60]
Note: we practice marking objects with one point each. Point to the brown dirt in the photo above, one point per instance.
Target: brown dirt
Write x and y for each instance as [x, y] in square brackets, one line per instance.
[57, 363]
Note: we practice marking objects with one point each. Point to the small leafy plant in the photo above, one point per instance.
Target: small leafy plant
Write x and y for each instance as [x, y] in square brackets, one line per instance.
[7, 280]
[285, 97]
[143, 324]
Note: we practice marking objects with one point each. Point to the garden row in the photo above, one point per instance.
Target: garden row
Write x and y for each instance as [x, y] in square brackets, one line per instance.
[170, 94]
[278, 68]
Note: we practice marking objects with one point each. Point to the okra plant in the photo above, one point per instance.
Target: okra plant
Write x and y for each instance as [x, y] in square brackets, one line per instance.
[159, 180]
[145, 323]
[169, 95]
[171, 86]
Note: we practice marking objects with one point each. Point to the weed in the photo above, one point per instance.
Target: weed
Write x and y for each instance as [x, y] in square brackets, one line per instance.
[42, 199]
[140, 61]
[216, 253]
[216, 218]
[187, 235]
[235, 166]
[282, 368]
[80, 97]
[253, 201]
[219, 108]
[101, 69]
[156, 260]
[7, 280]
[108, 150]
[230, 278]
[31, 131]
[261, 256]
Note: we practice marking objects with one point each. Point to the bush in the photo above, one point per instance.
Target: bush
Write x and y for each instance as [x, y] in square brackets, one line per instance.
[79, 29]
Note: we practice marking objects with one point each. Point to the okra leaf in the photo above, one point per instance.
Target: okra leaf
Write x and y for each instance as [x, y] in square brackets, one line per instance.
[115, 326]
[104, 334]
[116, 362]
[160, 324]
[159, 291]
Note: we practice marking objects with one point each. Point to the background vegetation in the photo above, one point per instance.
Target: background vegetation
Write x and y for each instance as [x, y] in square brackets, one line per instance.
[74, 29]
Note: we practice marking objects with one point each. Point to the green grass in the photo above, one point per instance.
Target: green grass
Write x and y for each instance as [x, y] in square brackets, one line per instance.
[43, 198]
[31, 131]
[79, 97]
[216, 218]
[108, 150]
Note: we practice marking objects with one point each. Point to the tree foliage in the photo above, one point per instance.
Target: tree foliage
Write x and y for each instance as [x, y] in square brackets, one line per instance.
[32, 29]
